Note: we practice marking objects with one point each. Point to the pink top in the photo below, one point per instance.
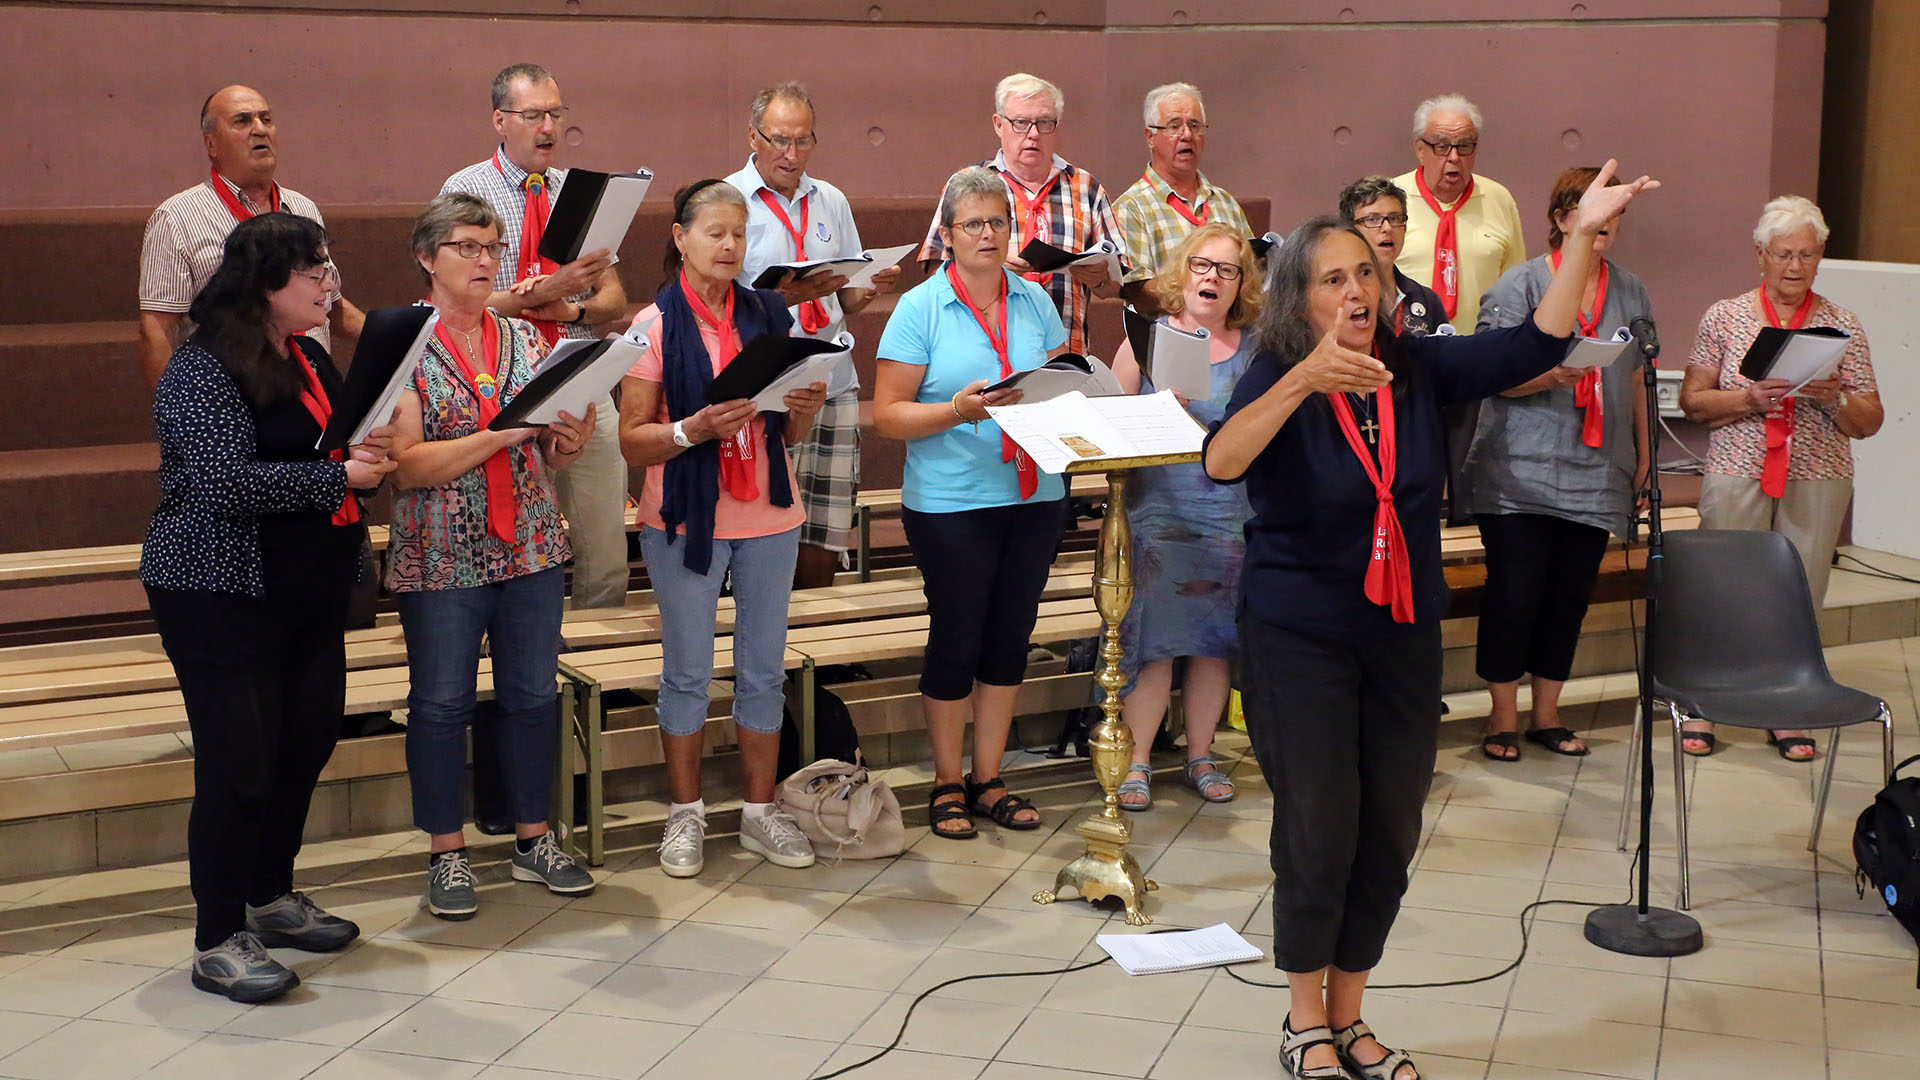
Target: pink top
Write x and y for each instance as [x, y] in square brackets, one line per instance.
[732, 519]
[1819, 451]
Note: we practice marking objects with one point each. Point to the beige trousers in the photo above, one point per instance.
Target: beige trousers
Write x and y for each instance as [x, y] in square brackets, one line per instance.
[1808, 513]
[592, 493]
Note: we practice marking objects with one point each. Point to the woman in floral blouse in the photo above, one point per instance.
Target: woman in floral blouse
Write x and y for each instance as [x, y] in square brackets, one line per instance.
[475, 553]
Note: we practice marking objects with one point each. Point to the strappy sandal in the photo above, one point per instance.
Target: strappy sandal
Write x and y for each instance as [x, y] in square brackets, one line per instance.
[938, 812]
[1507, 739]
[1383, 1069]
[1293, 1052]
[1131, 786]
[1555, 739]
[1211, 783]
[1791, 743]
[1704, 737]
[1003, 809]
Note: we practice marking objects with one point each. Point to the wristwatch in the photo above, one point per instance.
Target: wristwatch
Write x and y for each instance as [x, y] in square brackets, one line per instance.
[582, 316]
[680, 435]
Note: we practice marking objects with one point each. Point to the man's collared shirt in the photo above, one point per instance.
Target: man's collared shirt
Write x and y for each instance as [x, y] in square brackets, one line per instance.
[830, 234]
[1487, 228]
[1078, 217]
[1154, 227]
[186, 238]
[503, 191]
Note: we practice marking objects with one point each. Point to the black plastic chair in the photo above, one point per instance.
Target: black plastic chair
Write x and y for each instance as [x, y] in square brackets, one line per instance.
[1738, 644]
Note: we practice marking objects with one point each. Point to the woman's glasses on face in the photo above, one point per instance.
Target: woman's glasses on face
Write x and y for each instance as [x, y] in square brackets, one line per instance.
[1226, 271]
[978, 226]
[471, 249]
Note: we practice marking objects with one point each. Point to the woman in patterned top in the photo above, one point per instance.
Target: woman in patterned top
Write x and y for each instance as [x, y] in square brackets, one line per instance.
[476, 552]
[1776, 461]
[248, 564]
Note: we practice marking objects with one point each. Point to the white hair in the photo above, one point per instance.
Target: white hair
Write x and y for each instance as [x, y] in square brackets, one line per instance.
[1446, 103]
[1788, 214]
[1150, 112]
[1021, 84]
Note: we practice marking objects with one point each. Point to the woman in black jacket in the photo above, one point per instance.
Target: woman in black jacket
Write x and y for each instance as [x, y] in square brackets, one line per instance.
[247, 563]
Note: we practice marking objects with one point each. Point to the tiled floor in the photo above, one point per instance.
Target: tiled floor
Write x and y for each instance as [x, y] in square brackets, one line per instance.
[754, 971]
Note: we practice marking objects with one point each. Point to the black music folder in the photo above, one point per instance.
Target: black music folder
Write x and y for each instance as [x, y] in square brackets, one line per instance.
[594, 211]
[1798, 355]
[383, 361]
[577, 374]
[1046, 258]
[765, 359]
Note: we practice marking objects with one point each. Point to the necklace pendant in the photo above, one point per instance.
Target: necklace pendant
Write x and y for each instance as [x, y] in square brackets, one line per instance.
[484, 383]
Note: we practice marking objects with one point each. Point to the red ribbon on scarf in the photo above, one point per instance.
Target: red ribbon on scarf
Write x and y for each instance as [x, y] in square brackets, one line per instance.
[1035, 217]
[1389, 580]
[533, 227]
[1009, 450]
[1586, 392]
[736, 453]
[1446, 244]
[813, 314]
[314, 397]
[502, 508]
[1773, 474]
[234, 206]
[1180, 206]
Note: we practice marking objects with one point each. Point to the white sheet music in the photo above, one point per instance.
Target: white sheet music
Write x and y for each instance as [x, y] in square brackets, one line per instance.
[883, 258]
[1178, 950]
[1074, 427]
[1806, 358]
[817, 368]
[590, 384]
[619, 202]
[1598, 352]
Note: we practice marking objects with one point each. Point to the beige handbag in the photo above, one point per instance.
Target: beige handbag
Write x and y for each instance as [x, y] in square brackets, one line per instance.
[843, 811]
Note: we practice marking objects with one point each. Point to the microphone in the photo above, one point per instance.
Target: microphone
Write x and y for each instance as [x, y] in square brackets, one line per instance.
[1643, 332]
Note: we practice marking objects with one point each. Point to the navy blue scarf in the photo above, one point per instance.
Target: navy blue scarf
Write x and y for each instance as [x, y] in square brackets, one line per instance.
[690, 488]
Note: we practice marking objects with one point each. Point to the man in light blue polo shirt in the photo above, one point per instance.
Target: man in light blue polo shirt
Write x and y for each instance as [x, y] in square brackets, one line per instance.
[792, 217]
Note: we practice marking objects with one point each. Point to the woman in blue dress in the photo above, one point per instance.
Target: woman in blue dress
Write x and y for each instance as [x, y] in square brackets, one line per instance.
[1187, 540]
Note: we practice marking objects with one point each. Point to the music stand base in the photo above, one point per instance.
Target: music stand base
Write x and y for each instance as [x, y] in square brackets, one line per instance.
[1622, 928]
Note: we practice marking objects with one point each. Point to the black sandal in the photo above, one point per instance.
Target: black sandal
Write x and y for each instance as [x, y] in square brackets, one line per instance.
[1554, 739]
[1507, 739]
[1791, 743]
[1003, 809]
[938, 812]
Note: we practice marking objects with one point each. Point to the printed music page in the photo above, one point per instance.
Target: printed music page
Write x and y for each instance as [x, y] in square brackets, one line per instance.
[1074, 427]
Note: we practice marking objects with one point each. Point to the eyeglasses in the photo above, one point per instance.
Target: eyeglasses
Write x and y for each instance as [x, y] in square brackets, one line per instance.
[1175, 127]
[532, 116]
[1785, 257]
[471, 249]
[1044, 125]
[783, 144]
[325, 275]
[1225, 270]
[1442, 149]
[1374, 221]
[978, 226]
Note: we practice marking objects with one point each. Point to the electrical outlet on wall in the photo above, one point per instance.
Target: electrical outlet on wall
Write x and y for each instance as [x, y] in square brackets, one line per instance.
[1668, 389]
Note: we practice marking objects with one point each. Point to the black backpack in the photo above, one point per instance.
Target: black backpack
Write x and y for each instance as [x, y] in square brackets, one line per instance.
[1886, 847]
[834, 735]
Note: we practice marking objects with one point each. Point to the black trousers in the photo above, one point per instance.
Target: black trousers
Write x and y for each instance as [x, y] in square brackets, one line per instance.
[264, 682]
[1346, 736]
[1540, 574]
[984, 571]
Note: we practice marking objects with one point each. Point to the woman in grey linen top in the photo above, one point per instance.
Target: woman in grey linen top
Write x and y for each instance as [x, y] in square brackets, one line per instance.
[1553, 468]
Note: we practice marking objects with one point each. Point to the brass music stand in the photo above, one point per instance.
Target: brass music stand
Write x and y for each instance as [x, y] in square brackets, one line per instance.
[1108, 869]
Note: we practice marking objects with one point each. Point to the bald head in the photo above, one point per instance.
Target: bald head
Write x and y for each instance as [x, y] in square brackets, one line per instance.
[236, 124]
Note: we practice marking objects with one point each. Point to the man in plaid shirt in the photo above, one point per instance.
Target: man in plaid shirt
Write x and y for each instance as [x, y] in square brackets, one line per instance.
[1172, 198]
[1051, 200]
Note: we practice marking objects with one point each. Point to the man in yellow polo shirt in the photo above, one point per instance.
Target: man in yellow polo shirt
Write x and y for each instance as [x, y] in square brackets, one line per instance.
[1463, 231]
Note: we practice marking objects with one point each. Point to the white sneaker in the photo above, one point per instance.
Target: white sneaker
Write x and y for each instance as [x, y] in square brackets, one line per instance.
[682, 845]
[777, 837]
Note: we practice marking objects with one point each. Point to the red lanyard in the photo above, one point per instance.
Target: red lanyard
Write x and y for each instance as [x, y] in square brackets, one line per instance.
[1780, 420]
[737, 453]
[1036, 217]
[1389, 580]
[1586, 392]
[314, 397]
[234, 206]
[1009, 450]
[813, 314]
[1179, 205]
[533, 228]
[1446, 244]
[502, 507]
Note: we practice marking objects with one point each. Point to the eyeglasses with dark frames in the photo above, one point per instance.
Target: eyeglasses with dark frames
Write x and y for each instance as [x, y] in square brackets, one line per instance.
[1226, 271]
[1044, 125]
[471, 249]
[1442, 149]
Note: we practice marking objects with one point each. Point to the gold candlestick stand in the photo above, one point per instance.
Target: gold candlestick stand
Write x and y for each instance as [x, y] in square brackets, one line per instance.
[1108, 869]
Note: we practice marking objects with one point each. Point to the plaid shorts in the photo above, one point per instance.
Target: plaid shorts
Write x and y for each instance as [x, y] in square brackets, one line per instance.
[827, 466]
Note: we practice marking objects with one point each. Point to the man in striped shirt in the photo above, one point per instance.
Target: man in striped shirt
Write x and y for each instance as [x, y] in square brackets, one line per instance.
[187, 235]
[1172, 198]
[1051, 199]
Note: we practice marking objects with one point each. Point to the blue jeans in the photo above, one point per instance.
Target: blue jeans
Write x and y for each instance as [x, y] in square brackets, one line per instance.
[762, 568]
[520, 621]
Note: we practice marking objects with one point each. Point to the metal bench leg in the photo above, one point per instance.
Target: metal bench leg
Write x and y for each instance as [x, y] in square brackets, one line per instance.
[809, 748]
[1820, 797]
[864, 515]
[1680, 805]
[1886, 743]
[1627, 798]
[563, 767]
[590, 721]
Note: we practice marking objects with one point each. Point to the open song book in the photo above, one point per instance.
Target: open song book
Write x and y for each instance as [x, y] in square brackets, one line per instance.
[1178, 950]
[1074, 427]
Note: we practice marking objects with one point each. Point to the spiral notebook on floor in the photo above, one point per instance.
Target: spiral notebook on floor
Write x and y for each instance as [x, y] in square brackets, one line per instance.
[1178, 950]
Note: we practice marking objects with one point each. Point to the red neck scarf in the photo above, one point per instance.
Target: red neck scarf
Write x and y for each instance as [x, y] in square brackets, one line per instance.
[1389, 580]
[314, 397]
[1586, 392]
[1179, 205]
[736, 453]
[1009, 450]
[1035, 214]
[1773, 474]
[1446, 244]
[502, 508]
[813, 314]
[232, 201]
[533, 226]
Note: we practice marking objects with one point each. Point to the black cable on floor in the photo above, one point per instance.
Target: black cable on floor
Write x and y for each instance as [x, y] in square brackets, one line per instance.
[1875, 571]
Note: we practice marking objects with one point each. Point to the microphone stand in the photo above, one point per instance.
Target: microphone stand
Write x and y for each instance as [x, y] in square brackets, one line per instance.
[1635, 928]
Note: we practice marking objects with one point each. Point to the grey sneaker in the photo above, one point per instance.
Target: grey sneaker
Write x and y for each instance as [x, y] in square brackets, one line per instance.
[682, 845]
[240, 969]
[547, 863]
[450, 888]
[295, 922]
[777, 837]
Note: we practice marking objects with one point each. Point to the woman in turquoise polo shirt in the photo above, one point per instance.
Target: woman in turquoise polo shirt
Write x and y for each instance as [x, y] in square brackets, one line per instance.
[983, 522]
